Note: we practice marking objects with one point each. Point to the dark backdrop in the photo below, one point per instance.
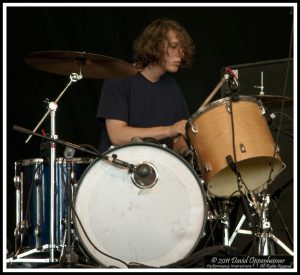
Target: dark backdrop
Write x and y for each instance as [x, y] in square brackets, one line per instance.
[223, 36]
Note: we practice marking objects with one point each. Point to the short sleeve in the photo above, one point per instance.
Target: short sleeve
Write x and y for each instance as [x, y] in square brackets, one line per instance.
[113, 103]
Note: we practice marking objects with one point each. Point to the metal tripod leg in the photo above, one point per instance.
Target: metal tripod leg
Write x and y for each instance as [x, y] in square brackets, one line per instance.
[238, 230]
[265, 237]
[21, 257]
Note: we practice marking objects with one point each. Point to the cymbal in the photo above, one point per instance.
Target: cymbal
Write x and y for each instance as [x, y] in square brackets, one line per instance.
[274, 100]
[88, 64]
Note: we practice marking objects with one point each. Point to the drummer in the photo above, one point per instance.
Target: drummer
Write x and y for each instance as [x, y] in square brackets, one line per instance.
[149, 104]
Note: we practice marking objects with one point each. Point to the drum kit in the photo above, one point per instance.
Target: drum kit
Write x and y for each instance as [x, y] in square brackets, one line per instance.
[142, 204]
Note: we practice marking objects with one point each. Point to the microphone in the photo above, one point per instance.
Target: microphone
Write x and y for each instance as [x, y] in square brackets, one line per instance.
[144, 175]
[143, 170]
[246, 210]
[232, 85]
[69, 152]
[232, 165]
[225, 88]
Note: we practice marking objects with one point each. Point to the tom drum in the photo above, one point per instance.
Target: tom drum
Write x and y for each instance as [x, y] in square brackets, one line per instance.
[212, 134]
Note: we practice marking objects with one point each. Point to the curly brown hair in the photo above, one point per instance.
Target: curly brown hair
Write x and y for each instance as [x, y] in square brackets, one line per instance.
[148, 48]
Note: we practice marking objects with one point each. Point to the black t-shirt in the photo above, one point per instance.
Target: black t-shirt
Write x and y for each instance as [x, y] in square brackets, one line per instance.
[141, 103]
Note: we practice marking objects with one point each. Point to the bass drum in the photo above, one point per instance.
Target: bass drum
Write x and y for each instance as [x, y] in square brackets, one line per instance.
[121, 222]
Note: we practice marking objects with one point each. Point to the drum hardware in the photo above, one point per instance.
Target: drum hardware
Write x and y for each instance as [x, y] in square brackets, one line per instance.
[68, 256]
[223, 217]
[22, 224]
[192, 126]
[18, 229]
[261, 87]
[226, 225]
[264, 231]
[212, 212]
[219, 212]
[273, 101]
[52, 107]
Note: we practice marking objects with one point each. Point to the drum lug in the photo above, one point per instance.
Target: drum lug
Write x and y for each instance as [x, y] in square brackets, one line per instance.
[242, 148]
[17, 182]
[37, 231]
[228, 108]
[24, 226]
[277, 148]
[207, 167]
[261, 108]
[193, 127]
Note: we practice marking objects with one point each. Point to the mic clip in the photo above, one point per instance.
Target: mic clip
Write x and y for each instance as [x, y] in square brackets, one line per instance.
[233, 166]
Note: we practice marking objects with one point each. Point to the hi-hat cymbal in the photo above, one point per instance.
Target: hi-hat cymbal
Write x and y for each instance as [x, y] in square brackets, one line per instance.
[274, 100]
[89, 65]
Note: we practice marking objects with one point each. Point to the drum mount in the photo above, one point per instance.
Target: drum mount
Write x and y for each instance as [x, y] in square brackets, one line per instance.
[264, 231]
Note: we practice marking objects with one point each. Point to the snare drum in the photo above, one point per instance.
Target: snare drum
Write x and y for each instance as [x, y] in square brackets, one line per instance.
[210, 134]
[154, 224]
[33, 198]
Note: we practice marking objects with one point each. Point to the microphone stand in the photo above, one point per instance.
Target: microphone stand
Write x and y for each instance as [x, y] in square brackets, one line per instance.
[111, 159]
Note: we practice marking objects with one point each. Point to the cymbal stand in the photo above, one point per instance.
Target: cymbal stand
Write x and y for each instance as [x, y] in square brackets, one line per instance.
[265, 235]
[52, 107]
[226, 221]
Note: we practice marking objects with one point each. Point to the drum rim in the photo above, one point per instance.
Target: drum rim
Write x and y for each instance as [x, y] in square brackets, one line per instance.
[165, 148]
[76, 160]
[59, 160]
[29, 161]
[220, 102]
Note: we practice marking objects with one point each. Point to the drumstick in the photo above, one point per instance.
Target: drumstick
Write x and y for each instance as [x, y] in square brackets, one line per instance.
[212, 94]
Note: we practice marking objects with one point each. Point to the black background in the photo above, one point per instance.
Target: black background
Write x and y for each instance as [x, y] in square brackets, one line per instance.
[223, 36]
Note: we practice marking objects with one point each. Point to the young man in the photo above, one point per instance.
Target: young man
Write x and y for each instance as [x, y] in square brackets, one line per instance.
[149, 104]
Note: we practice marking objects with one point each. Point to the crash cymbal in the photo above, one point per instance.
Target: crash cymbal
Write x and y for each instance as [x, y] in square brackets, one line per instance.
[88, 64]
[274, 100]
